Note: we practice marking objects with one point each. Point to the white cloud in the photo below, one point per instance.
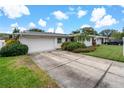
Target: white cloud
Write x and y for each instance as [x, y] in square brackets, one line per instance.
[60, 24]
[97, 14]
[22, 29]
[32, 25]
[42, 23]
[81, 13]
[122, 5]
[122, 11]
[15, 25]
[1, 13]
[14, 11]
[71, 8]
[85, 25]
[59, 30]
[60, 15]
[78, 8]
[101, 19]
[51, 30]
[108, 20]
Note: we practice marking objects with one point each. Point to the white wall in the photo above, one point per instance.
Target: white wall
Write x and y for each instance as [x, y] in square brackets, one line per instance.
[37, 44]
[98, 41]
[88, 42]
[1, 43]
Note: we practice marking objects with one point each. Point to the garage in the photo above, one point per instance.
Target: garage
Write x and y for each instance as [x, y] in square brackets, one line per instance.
[38, 42]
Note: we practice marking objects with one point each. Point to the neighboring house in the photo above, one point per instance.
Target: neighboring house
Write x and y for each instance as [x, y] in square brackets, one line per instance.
[43, 41]
[99, 40]
[2, 42]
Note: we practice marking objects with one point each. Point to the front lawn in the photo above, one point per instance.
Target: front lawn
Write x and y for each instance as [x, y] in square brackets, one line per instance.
[21, 72]
[112, 52]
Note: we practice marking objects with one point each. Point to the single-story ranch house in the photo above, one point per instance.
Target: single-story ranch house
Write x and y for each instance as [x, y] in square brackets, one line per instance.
[43, 41]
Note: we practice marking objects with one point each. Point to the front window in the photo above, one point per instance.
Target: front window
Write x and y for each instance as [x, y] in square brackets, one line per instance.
[59, 40]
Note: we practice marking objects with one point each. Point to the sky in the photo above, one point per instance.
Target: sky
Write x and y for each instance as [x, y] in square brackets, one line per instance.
[61, 19]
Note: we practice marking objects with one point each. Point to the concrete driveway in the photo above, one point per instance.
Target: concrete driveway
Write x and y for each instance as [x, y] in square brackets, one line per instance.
[80, 71]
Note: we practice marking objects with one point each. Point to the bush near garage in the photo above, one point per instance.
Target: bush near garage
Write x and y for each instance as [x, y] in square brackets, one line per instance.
[70, 46]
[14, 49]
[12, 41]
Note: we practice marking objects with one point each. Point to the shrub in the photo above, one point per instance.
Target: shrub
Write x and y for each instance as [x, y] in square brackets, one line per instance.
[70, 46]
[64, 45]
[14, 50]
[98, 45]
[84, 50]
[12, 41]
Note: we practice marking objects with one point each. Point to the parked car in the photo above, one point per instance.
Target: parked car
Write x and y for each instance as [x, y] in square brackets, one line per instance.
[114, 42]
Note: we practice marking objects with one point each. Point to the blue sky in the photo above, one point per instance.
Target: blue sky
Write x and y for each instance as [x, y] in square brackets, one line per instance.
[61, 19]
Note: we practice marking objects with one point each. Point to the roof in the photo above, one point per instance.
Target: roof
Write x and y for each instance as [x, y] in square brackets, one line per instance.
[95, 36]
[43, 34]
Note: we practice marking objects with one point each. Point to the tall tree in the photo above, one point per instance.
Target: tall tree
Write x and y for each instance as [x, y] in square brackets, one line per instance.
[16, 30]
[89, 30]
[107, 32]
[117, 35]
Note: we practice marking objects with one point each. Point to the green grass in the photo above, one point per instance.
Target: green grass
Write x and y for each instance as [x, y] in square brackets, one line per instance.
[111, 52]
[21, 72]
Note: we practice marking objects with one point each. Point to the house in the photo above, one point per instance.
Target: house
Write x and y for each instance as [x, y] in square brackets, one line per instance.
[98, 39]
[44, 41]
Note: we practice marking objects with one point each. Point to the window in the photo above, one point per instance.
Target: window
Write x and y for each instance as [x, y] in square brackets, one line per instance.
[59, 40]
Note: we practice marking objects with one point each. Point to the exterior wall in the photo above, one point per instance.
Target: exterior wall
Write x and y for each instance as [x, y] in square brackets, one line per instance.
[98, 41]
[43, 43]
[58, 45]
[2, 43]
[37, 44]
[88, 42]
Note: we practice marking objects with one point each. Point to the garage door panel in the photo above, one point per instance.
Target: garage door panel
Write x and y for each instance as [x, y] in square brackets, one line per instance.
[39, 44]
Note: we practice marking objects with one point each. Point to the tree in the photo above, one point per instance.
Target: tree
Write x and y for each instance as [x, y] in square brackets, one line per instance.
[85, 34]
[75, 32]
[117, 35]
[89, 30]
[107, 32]
[16, 30]
[36, 30]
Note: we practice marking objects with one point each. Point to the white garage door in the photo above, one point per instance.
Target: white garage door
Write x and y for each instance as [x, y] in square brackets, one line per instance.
[39, 44]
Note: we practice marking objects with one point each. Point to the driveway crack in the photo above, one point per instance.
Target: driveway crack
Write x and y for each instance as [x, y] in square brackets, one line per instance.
[102, 77]
[63, 64]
